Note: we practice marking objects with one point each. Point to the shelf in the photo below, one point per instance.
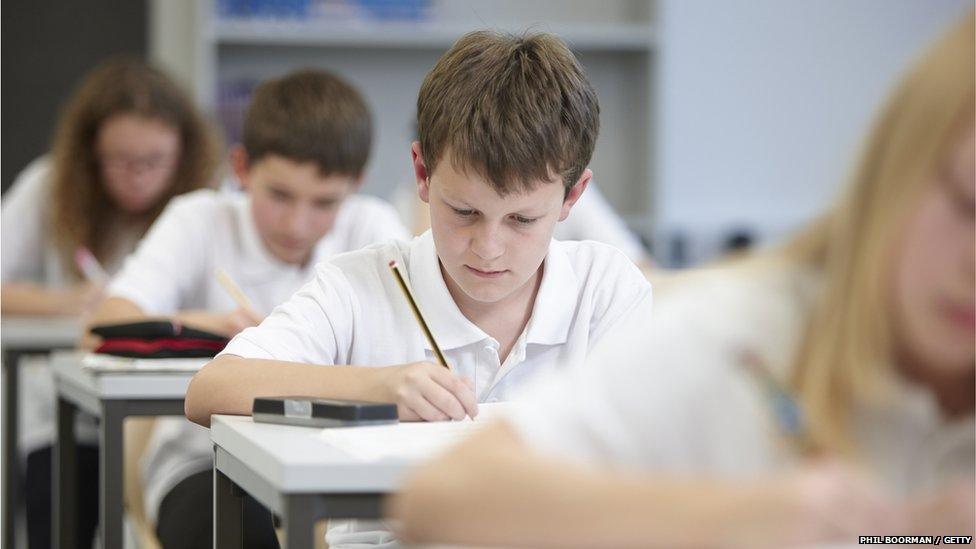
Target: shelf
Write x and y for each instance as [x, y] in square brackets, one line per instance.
[418, 36]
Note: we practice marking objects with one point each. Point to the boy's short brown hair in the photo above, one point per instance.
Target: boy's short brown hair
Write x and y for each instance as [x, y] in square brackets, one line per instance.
[310, 116]
[516, 109]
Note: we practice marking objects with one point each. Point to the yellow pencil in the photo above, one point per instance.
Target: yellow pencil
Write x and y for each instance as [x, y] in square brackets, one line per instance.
[785, 406]
[419, 317]
[235, 291]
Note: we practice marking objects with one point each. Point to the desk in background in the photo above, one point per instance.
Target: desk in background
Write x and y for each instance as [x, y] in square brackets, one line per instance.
[111, 395]
[21, 336]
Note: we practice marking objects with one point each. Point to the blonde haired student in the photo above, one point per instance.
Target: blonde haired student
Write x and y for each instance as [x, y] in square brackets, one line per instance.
[127, 141]
[507, 127]
[307, 139]
[866, 316]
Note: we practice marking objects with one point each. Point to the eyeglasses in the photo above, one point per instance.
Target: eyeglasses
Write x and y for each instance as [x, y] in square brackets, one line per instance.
[126, 163]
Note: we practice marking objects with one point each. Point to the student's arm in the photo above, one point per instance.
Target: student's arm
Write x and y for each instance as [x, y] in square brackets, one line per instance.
[304, 347]
[421, 390]
[951, 508]
[30, 298]
[491, 490]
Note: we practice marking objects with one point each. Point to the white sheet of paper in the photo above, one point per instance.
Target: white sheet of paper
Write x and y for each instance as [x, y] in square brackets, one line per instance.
[102, 363]
[410, 440]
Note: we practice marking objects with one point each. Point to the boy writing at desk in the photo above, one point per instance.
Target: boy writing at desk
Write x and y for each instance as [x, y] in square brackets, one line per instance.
[507, 127]
[307, 137]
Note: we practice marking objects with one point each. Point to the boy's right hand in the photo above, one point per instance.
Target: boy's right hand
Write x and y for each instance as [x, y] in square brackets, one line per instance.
[424, 391]
[239, 319]
[81, 298]
[830, 501]
[228, 323]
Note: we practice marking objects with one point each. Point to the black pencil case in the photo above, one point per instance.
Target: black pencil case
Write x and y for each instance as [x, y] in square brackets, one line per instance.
[322, 412]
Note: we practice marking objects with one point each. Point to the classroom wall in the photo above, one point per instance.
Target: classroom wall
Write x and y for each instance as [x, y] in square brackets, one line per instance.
[763, 104]
[47, 46]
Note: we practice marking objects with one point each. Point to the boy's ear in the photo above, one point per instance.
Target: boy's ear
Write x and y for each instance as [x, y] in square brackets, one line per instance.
[420, 172]
[241, 164]
[575, 192]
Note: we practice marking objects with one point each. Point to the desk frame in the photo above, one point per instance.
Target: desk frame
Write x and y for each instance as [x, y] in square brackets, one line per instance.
[298, 511]
[12, 497]
[111, 412]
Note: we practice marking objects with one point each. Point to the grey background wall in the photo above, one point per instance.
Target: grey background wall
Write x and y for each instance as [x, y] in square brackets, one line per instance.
[47, 46]
[757, 107]
[764, 103]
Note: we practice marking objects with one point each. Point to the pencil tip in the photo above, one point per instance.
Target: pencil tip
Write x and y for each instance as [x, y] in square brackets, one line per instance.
[393, 263]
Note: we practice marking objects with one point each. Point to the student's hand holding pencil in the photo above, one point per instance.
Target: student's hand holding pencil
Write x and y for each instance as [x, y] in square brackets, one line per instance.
[425, 391]
[82, 298]
[228, 323]
[829, 500]
[948, 510]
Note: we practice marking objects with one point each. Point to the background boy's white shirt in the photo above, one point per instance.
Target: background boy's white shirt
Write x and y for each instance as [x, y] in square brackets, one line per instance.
[352, 312]
[593, 218]
[670, 396]
[29, 254]
[173, 269]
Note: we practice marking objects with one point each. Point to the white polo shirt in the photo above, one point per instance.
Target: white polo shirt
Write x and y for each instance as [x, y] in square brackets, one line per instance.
[353, 312]
[671, 397]
[173, 269]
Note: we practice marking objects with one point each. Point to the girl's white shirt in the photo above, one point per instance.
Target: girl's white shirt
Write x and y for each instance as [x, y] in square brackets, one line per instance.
[671, 396]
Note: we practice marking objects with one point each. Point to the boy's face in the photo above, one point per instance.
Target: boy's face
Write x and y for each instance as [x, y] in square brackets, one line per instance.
[293, 204]
[490, 247]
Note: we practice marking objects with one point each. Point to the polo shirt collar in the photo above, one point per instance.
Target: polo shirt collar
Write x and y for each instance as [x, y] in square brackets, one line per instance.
[555, 304]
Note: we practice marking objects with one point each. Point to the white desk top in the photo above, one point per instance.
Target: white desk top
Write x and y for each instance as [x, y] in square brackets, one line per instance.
[303, 460]
[68, 369]
[34, 332]
[298, 460]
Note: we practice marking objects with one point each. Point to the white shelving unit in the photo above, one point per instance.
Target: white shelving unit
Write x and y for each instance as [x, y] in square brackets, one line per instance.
[616, 40]
[423, 35]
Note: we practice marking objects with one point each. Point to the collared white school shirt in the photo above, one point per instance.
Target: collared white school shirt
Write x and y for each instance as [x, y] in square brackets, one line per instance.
[673, 397]
[593, 218]
[353, 312]
[173, 269]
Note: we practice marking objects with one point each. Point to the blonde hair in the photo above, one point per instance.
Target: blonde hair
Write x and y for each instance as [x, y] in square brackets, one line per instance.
[847, 348]
[82, 210]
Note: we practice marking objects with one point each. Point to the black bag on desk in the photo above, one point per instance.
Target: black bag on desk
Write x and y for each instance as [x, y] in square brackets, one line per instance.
[157, 339]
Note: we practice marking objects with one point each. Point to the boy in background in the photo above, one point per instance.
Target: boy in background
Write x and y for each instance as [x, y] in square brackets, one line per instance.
[307, 138]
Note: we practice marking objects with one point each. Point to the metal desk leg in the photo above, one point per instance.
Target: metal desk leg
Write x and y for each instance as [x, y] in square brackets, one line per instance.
[228, 512]
[65, 497]
[11, 458]
[110, 457]
[299, 522]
